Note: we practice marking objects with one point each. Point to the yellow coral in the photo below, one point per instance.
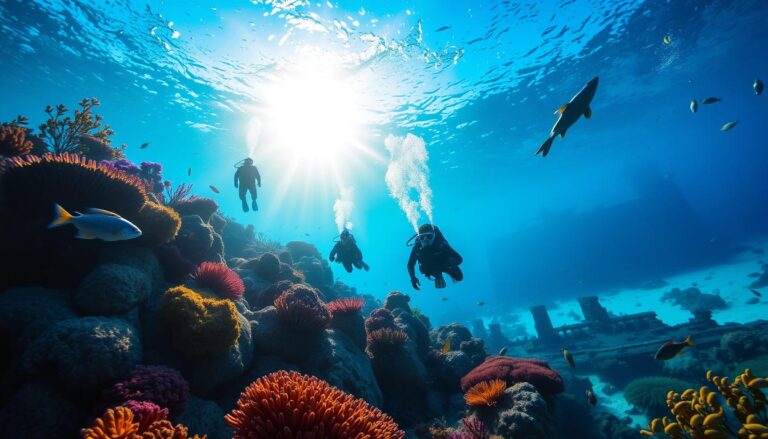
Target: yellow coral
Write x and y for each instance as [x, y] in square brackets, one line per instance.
[159, 224]
[698, 414]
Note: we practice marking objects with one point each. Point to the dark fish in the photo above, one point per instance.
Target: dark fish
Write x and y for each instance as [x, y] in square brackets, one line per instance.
[591, 397]
[569, 113]
[144, 145]
[758, 86]
[729, 125]
[440, 29]
[671, 349]
[710, 100]
[189, 172]
[444, 299]
[568, 358]
[755, 292]
[502, 351]
[481, 303]
[215, 189]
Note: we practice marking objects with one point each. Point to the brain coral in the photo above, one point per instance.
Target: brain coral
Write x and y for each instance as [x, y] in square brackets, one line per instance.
[288, 405]
[157, 384]
[220, 279]
[515, 370]
[199, 325]
[300, 308]
[159, 224]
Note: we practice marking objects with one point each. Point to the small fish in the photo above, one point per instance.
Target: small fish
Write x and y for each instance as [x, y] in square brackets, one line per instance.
[144, 145]
[502, 351]
[568, 358]
[667, 40]
[444, 299]
[446, 346]
[215, 189]
[694, 106]
[671, 349]
[591, 397]
[758, 87]
[755, 292]
[96, 224]
[481, 303]
[442, 28]
[710, 100]
[189, 172]
[729, 125]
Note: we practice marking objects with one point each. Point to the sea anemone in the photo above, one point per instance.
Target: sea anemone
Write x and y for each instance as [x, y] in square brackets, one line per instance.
[156, 384]
[380, 318]
[220, 279]
[300, 308]
[485, 393]
[13, 141]
[198, 325]
[344, 307]
[200, 206]
[386, 340]
[287, 405]
[650, 393]
[159, 224]
[516, 370]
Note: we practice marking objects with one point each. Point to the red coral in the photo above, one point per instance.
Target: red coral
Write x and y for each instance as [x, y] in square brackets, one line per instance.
[220, 279]
[301, 308]
[386, 339]
[288, 405]
[345, 306]
[515, 370]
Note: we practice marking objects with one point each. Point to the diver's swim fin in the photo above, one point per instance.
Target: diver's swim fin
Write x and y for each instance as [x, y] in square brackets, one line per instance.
[544, 149]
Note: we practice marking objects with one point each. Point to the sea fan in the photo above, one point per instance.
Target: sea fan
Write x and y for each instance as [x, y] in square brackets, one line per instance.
[156, 384]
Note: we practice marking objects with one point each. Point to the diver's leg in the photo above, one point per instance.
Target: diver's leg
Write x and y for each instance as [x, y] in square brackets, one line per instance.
[439, 280]
[242, 197]
[347, 266]
[254, 205]
[455, 273]
[361, 265]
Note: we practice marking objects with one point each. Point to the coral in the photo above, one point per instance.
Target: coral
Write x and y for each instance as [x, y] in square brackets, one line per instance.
[520, 413]
[220, 279]
[198, 325]
[117, 423]
[743, 345]
[316, 271]
[515, 370]
[380, 318]
[475, 428]
[692, 299]
[97, 149]
[396, 300]
[62, 134]
[194, 205]
[648, 393]
[146, 413]
[85, 353]
[173, 196]
[205, 417]
[300, 308]
[159, 224]
[157, 384]
[485, 393]
[344, 307]
[198, 242]
[266, 266]
[13, 141]
[700, 413]
[386, 339]
[291, 405]
[149, 173]
[112, 289]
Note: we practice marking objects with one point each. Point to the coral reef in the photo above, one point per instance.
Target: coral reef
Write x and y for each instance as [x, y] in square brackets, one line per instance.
[62, 133]
[266, 266]
[200, 206]
[39, 410]
[301, 309]
[199, 325]
[13, 141]
[648, 393]
[693, 299]
[259, 299]
[175, 266]
[267, 409]
[198, 242]
[157, 384]
[220, 279]
[521, 412]
[344, 307]
[145, 412]
[380, 318]
[159, 224]
[112, 289]
[120, 423]
[346, 317]
[516, 370]
[485, 393]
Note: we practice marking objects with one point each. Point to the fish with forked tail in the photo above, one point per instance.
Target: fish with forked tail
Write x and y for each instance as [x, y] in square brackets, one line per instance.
[671, 349]
[96, 224]
[569, 113]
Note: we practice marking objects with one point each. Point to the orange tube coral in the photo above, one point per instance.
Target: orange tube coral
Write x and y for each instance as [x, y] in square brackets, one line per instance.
[116, 423]
[485, 393]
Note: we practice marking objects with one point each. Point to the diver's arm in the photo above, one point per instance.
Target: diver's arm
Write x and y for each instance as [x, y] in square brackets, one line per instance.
[334, 251]
[258, 176]
[237, 176]
[411, 269]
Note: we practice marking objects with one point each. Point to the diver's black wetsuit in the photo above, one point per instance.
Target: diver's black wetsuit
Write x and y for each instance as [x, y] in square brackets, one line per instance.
[349, 254]
[246, 178]
[434, 260]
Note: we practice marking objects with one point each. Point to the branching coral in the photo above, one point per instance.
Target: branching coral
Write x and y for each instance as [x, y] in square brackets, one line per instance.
[345, 306]
[220, 279]
[300, 308]
[485, 393]
[386, 339]
[199, 325]
[13, 141]
[700, 413]
[159, 224]
[516, 370]
[157, 384]
[120, 423]
[62, 133]
[287, 405]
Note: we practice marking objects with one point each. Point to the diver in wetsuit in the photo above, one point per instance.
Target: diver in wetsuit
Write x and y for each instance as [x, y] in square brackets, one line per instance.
[246, 178]
[348, 253]
[435, 257]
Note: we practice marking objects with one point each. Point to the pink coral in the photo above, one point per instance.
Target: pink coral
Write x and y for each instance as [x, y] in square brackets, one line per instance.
[301, 308]
[515, 370]
[220, 279]
[158, 384]
[146, 413]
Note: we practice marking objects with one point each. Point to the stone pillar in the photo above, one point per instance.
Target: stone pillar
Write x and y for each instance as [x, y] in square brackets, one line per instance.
[543, 324]
[593, 311]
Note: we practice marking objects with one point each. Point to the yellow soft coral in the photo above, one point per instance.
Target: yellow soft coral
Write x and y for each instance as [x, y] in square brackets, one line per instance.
[699, 414]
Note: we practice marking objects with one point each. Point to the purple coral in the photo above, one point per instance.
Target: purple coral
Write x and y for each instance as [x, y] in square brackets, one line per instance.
[146, 412]
[475, 427]
[158, 384]
[380, 318]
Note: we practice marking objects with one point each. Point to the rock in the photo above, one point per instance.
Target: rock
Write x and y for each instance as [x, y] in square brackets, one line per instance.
[353, 325]
[85, 353]
[475, 349]
[520, 413]
[397, 300]
[26, 312]
[414, 327]
[317, 272]
[140, 258]
[450, 368]
[227, 395]
[693, 299]
[204, 417]
[112, 289]
[39, 410]
[265, 297]
[271, 338]
[455, 332]
[753, 301]
[744, 345]
[198, 242]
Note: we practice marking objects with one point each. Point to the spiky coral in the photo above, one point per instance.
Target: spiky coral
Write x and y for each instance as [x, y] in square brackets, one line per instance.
[300, 308]
[157, 384]
[485, 393]
[700, 414]
[199, 325]
[220, 279]
[13, 141]
[120, 423]
[386, 339]
[159, 224]
[379, 318]
[287, 405]
[344, 307]
[203, 207]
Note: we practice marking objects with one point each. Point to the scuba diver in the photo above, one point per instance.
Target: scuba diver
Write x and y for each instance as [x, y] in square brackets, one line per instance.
[246, 178]
[347, 253]
[435, 257]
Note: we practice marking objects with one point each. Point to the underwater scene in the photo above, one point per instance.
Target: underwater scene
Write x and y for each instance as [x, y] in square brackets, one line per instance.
[287, 219]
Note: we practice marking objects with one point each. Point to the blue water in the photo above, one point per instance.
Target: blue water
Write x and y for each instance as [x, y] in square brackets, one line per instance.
[311, 90]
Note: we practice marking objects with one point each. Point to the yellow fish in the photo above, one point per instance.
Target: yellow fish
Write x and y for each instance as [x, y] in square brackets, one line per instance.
[446, 346]
[96, 224]
[568, 358]
[215, 189]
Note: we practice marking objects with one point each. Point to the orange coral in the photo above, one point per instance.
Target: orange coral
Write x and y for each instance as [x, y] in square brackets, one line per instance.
[485, 393]
[287, 405]
[117, 423]
[13, 141]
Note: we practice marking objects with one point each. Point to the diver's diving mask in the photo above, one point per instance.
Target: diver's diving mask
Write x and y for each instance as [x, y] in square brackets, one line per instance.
[426, 239]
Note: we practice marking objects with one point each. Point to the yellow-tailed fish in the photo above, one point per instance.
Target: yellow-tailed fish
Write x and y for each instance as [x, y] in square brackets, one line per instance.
[96, 224]
[446, 346]
[671, 349]
[710, 100]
